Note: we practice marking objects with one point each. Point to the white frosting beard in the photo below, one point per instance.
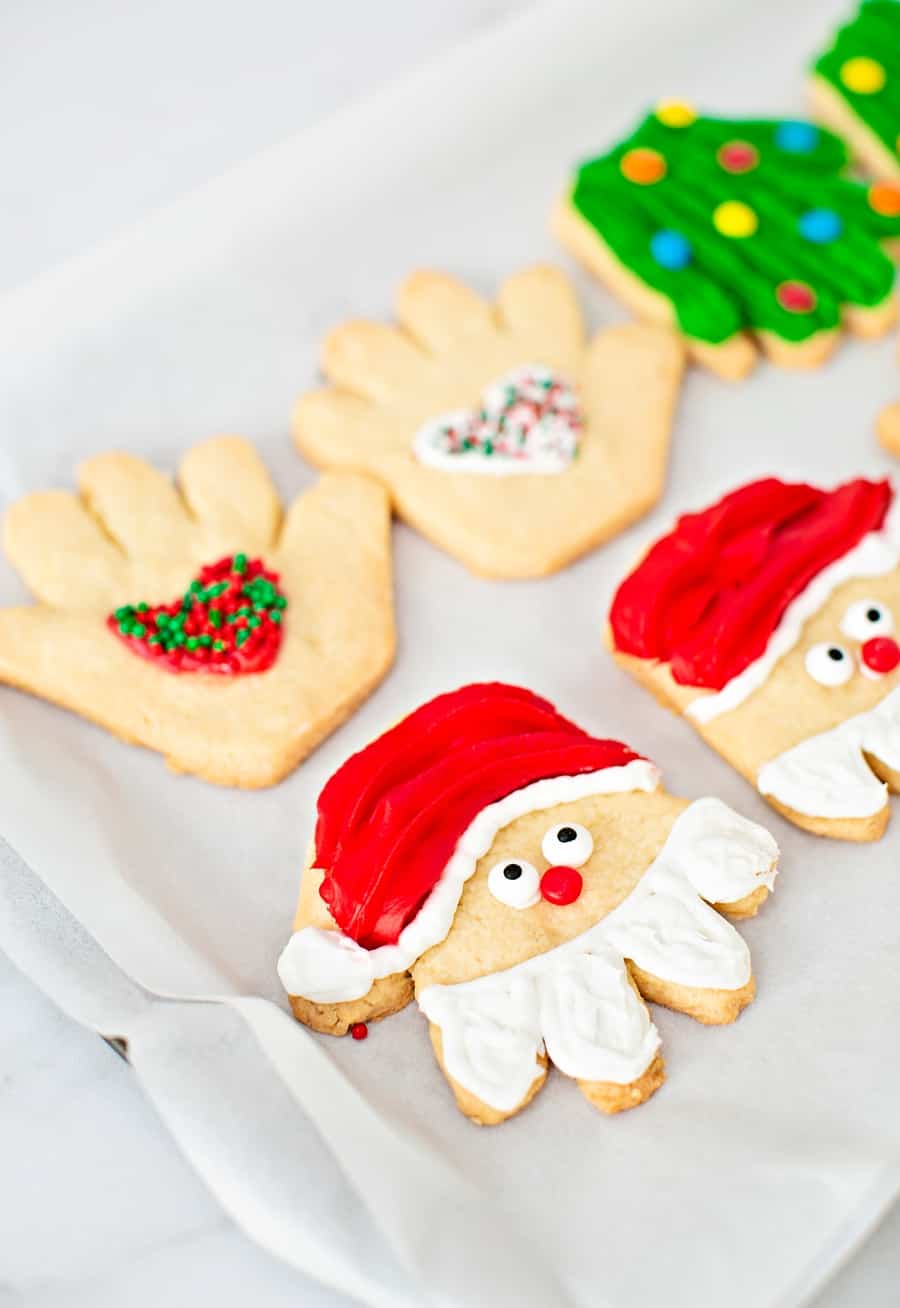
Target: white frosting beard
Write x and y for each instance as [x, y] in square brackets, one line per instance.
[827, 776]
[328, 967]
[576, 1001]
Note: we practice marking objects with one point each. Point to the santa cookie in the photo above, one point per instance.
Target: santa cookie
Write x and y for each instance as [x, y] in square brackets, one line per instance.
[530, 886]
[742, 233]
[855, 86]
[203, 624]
[502, 433]
[770, 621]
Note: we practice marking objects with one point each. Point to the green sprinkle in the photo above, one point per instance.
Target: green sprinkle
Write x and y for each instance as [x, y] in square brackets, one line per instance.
[142, 608]
[153, 640]
[275, 616]
[218, 645]
[191, 642]
[138, 629]
[254, 621]
[240, 563]
[280, 602]
[162, 619]
[125, 628]
[215, 617]
[124, 612]
[242, 635]
[204, 640]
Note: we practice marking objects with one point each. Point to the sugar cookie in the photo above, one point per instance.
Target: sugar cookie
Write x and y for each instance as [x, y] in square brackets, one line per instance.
[203, 624]
[502, 433]
[530, 886]
[743, 234]
[770, 621]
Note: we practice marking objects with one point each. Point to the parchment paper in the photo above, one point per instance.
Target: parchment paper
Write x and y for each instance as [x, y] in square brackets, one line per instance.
[775, 1143]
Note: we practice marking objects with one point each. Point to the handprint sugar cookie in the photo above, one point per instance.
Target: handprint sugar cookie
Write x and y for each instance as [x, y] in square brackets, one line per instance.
[855, 86]
[203, 624]
[530, 886]
[770, 620]
[742, 233]
[502, 433]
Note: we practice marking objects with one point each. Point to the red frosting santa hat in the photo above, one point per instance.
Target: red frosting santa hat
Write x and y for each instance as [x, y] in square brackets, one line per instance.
[724, 595]
[402, 825]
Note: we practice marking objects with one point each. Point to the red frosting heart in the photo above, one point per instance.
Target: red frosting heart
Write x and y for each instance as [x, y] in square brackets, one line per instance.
[229, 621]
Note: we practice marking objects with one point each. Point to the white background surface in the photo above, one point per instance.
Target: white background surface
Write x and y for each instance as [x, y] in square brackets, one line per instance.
[113, 116]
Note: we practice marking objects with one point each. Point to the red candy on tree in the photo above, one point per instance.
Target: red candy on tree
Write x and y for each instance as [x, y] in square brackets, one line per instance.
[881, 654]
[738, 157]
[561, 884]
[796, 297]
[228, 621]
[359, 1030]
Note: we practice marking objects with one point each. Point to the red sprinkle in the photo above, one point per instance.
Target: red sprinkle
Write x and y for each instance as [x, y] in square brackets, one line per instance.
[359, 1030]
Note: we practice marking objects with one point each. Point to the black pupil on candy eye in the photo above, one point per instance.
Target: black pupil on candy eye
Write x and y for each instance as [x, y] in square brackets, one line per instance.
[565, 834]
[836, 654]
[873, 614]
[512, 871]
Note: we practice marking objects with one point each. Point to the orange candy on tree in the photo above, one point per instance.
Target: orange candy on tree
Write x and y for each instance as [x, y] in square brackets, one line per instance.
[643, 167]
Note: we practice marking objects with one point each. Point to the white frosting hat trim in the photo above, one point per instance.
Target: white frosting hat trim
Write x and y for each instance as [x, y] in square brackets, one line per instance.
[328, 967]
[876, 554]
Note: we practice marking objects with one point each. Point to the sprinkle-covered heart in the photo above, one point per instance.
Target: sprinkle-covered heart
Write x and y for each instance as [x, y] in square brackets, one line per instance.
[229, 620]
[529, 421]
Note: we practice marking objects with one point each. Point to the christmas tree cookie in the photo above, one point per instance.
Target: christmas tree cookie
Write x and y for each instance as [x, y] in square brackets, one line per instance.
[202, 622]
[502, 433]
[770, 620]
[855, 86]
[530, 886]
[744, 234]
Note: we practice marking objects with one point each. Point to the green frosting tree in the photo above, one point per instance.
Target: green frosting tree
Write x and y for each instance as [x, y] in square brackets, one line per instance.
[862, 69]
[742, 224]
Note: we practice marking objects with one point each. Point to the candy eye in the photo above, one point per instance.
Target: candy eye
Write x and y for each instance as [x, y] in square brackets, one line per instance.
[828, 664]
[569, 844]
[867, 618]
[515, 883]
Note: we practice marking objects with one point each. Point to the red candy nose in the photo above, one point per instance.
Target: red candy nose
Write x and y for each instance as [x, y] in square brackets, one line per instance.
[561, 884]
[881, 654]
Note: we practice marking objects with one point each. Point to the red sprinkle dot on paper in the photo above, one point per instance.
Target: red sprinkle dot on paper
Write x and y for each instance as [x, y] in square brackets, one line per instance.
[796, 297]
[738, 157]
[359, 1030]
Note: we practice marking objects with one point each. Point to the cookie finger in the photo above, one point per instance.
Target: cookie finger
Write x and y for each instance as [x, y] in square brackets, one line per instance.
[136, 504]
[540, 303]
[61, 553]
[375, 361]
[227, 487]
[442, 313]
